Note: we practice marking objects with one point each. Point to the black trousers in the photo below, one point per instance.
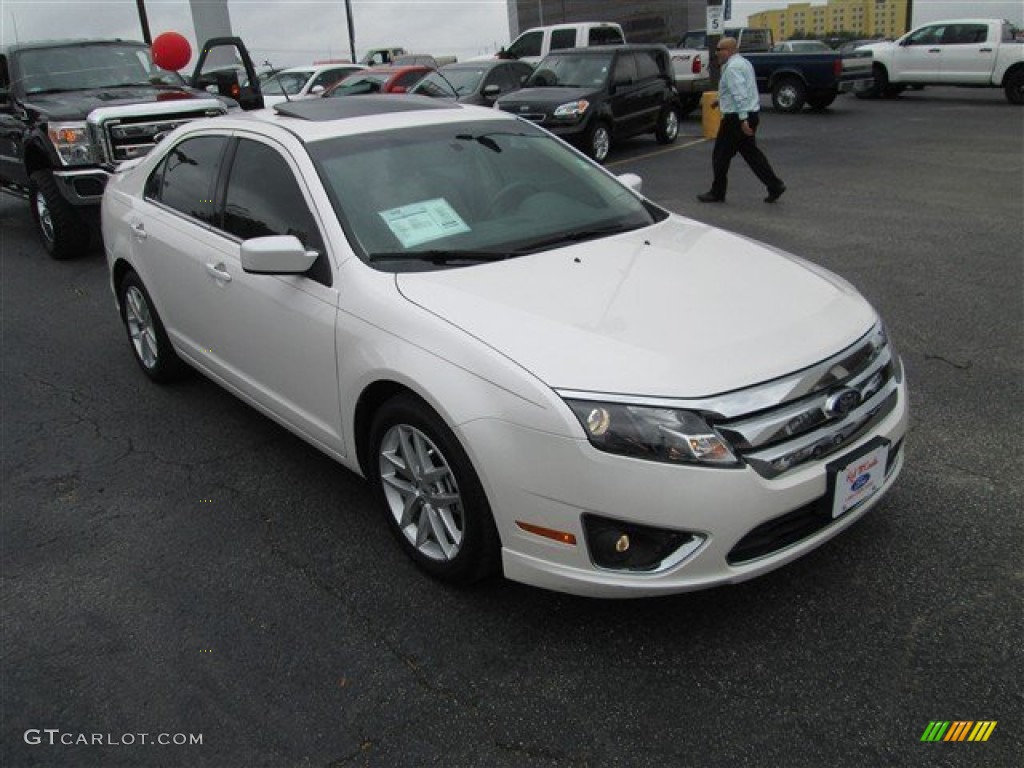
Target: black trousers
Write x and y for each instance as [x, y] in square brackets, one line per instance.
[731, 140]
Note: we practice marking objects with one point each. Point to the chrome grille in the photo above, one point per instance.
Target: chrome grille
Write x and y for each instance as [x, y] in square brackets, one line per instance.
[855, 390]
[124, 133]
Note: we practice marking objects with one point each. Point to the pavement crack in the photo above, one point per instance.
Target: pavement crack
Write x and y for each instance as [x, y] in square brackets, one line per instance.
[959, 366]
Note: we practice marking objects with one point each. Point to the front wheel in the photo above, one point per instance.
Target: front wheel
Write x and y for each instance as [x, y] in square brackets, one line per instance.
[598, 141]
[431, 496]
[789, 95]
[152, 348]
[668, 126]
[63, 230]
[878, 87]
[1015, 87]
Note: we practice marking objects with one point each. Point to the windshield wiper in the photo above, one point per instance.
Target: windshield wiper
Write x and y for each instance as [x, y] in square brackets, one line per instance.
[439, 256]
[574, 236]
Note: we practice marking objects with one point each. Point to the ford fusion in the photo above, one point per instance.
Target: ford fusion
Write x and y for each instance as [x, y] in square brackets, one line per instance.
[540, 372]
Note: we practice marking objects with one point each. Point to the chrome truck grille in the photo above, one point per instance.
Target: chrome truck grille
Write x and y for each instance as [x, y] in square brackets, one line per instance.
[124, 133]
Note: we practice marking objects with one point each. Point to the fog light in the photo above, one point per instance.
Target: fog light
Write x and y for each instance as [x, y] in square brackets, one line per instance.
[622, 546]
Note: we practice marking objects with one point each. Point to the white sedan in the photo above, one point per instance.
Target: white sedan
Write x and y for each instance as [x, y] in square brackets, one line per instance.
[303, 82]
[539, 370]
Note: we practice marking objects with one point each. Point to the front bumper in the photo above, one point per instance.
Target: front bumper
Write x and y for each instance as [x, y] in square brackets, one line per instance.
[83, 186]
[551, 482]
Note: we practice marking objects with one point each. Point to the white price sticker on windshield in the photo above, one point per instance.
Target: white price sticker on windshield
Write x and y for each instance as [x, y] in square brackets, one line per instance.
[422, 222]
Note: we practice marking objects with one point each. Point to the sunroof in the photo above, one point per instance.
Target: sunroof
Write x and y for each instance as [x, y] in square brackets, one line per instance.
[341, 107]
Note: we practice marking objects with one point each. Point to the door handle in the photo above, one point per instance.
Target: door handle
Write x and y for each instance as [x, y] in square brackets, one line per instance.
[139, 230]
[985, 50]
[934, 50]
[218, 272]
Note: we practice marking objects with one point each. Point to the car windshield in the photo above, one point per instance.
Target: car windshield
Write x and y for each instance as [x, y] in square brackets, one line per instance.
[472, 192]
[463, 79]
[437, 86]
[81, 67]
[360, 84]
[286, 82]
[571, 71]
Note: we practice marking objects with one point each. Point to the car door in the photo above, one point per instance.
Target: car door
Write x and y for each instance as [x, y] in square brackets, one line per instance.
[650, 89]
[918, 57]
[968, 56]
[274, 335]
[623, 99]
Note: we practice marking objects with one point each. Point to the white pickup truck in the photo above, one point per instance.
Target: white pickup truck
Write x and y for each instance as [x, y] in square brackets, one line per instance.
[980, 53]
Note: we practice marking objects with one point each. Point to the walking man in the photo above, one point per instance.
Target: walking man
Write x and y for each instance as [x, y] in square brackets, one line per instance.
[740, 105]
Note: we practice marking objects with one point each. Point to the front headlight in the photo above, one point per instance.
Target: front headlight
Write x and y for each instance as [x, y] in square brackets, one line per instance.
[574, 109]
[71, 140]
[657, 434]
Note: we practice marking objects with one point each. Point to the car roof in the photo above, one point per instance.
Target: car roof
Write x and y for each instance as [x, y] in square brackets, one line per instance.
[313, 120]
[68, 42]
[596, 49]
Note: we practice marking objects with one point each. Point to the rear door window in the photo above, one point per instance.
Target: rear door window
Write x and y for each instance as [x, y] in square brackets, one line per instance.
[604, 36]
[185, 179]
[563, 38]
[528, 44]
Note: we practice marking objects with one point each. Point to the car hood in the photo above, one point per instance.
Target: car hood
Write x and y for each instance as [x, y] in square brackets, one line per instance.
[528, 97]
[76, 105]
[678, 309]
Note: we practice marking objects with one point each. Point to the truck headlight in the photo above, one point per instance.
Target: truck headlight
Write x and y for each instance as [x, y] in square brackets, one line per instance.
[573, 110]
[657, 434]
[71, 140]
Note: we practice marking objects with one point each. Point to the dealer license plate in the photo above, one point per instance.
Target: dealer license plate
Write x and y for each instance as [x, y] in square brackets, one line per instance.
[856, 477]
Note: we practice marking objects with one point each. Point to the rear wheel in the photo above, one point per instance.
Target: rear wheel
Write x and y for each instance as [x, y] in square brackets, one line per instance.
[789, 95]
[668, 126]
[63, 230]
[152, 348]
[1015, 87]
[598, 141]
[431, 496]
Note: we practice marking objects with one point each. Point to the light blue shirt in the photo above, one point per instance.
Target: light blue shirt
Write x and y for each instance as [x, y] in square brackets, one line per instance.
[737, 88]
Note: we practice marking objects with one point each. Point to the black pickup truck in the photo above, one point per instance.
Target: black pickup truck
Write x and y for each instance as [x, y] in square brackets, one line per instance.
[72, 111]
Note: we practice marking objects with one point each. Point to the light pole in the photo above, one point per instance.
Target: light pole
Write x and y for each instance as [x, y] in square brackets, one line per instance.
[146, 36]
[351, 30]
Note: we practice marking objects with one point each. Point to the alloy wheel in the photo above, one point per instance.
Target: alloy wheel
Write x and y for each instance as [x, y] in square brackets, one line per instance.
[140, 326]
[422, 493]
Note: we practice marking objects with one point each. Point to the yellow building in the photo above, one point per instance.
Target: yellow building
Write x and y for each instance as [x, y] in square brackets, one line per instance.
[868, 18]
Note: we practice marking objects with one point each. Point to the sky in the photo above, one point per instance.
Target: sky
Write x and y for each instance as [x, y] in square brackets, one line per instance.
[295, 32]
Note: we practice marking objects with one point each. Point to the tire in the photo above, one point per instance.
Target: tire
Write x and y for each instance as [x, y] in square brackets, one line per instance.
[63, 230]
[598, 141]
[1015, 87]
[150, 345]
[878, 87]
[668, 126]
[438, 512]
[789, 95]
[820, 101]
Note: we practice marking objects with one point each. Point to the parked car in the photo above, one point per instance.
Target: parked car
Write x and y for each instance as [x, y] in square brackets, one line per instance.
[536, 368]
[594, 96]
[304, 82]
[800, 46]
[474, 82]
[976, 53]
[378, 80]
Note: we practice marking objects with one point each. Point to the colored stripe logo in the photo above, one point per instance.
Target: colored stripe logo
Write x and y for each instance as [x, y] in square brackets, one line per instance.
[959, 730]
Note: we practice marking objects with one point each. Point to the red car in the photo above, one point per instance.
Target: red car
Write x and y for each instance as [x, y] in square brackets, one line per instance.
[378, 80]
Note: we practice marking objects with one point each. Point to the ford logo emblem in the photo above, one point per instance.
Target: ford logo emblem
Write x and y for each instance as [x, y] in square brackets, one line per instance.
[841, 403]
[861, 481]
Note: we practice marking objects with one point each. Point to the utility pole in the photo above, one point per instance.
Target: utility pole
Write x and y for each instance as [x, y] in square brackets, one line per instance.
[351, 30]
[147, 38]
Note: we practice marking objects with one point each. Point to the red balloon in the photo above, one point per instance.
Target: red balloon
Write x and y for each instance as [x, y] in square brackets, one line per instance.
[171, 51]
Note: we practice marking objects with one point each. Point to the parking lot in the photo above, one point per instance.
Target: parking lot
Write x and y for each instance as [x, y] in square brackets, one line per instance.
[175, 564]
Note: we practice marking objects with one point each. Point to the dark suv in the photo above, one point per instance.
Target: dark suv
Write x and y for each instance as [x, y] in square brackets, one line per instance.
[592, 96]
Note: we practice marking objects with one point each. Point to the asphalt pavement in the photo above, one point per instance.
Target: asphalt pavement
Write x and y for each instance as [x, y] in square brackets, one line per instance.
[174, 565]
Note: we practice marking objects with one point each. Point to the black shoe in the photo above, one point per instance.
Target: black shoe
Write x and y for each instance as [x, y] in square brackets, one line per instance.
[710, 197]
[775, 194]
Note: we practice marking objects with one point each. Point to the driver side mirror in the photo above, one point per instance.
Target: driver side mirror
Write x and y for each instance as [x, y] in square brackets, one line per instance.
[491, 91]
[276, 255]
[316, 90]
